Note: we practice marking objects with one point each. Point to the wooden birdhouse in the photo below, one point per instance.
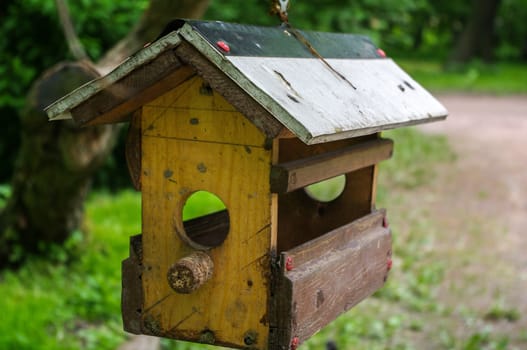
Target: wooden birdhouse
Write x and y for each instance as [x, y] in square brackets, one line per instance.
[254, 116]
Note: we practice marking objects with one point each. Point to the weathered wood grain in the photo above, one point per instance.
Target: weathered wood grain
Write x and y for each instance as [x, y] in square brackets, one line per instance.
[289, 176]
[208, 231]
[61, 109]
[338, 239]
[190, 272]
[133, 149]
[230, 90]
[116, 102]
[374, 184]
[301, 94]
[297, 209]
[132, 290]
[194, 99]
[185, 150]
[328, 276]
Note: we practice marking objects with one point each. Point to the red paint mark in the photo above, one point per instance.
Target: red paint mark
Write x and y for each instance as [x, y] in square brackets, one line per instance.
[381, 53]
[294, 343]
[289, 263]
[389, 264]
[222, 45]
[385, 223]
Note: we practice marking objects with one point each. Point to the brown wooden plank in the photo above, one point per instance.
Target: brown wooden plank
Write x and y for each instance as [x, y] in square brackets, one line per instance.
[289, 176]
[233, 303]
[338, 239]
[209, 230]
[297, 209]
[235, 95]
[330, 287]
[133, 150]
[115, 103]
[325, 279]
[374, 185]
[132, 291]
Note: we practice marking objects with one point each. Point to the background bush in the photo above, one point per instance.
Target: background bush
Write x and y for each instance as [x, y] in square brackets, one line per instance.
[33, 41]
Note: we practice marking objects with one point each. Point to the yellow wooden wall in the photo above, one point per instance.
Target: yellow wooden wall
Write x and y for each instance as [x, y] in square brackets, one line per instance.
[194, 140]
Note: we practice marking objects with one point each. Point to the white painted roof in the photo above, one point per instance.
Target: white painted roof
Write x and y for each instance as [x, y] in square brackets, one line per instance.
[320, 106]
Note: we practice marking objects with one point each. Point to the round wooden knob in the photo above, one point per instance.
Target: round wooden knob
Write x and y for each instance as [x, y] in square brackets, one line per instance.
[190, 272]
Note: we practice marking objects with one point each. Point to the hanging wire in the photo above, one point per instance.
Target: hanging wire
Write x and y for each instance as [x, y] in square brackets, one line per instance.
[280, 7]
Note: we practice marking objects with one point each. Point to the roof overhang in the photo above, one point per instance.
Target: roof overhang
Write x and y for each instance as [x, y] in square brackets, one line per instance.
[270, 76]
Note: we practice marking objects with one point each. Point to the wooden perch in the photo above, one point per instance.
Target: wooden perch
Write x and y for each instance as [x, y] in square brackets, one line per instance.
[190, 272]
[289, 176]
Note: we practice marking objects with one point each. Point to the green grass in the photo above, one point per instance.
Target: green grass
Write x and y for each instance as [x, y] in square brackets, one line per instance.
[415, 157]
[498, 78]
[73, 303]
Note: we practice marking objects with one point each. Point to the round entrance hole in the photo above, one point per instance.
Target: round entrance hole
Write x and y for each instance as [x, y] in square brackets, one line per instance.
[205, 220]
[327, 190]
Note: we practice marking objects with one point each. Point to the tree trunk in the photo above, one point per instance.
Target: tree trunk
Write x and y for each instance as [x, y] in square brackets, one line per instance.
[56, 160]
[477, 38]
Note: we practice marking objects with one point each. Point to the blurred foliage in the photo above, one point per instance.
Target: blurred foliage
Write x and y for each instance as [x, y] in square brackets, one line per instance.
[201, 203]
[417, 28]
[73, 301]
[327, 190]
[498, 78]
[511, 30]
[33, 41]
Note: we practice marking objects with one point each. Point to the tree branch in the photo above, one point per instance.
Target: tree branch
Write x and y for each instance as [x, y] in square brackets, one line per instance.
[74, 44]
[152, 22]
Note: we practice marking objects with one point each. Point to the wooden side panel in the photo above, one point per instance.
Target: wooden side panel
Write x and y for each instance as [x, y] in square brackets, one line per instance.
[192, 100]
[300, 218]
[329, 275]
[299, 173]
[187, 146]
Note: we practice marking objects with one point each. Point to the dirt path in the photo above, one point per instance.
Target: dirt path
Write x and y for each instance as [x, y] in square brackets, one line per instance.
[480, 204]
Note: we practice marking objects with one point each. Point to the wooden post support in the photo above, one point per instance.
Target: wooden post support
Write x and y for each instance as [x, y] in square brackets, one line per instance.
[190, 272]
